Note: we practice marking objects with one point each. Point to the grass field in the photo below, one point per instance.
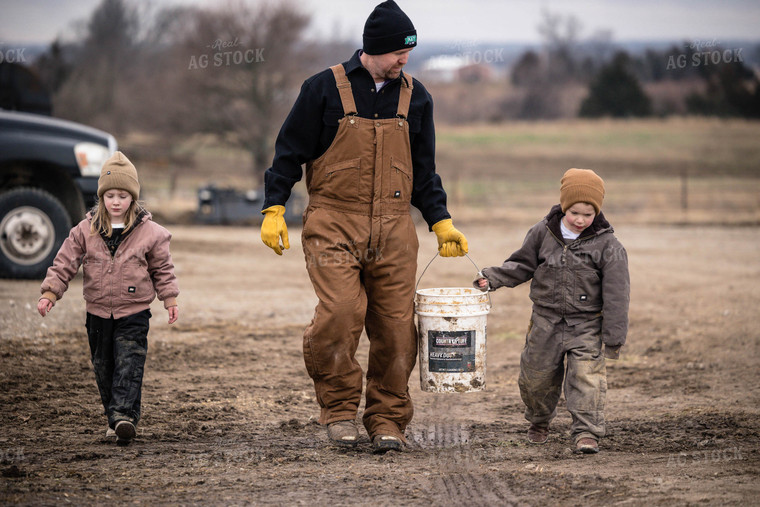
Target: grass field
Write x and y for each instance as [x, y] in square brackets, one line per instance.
[664, 171]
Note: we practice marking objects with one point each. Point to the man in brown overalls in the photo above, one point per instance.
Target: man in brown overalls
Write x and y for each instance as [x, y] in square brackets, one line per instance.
[365, 131]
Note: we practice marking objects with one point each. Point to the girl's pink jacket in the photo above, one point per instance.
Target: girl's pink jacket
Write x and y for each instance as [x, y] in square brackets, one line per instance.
[121, 285]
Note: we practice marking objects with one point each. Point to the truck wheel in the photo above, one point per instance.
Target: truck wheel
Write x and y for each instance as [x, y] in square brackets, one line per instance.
[33, 225]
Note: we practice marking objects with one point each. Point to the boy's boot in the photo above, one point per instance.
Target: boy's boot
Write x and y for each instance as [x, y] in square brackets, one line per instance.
[538, 434]
[586, 446]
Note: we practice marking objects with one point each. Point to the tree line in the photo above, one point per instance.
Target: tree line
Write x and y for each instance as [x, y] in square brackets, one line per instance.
[714, 80]
[176, 73]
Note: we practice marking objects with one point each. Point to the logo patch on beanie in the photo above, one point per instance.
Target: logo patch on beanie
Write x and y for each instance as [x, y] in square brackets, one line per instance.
[410, 39]
[131, 290]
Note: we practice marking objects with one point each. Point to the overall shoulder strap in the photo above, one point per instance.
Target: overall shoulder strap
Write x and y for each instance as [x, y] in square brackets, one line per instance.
[344, 88]
[405, 95]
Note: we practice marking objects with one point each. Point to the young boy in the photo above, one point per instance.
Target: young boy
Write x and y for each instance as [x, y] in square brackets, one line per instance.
[580, 292]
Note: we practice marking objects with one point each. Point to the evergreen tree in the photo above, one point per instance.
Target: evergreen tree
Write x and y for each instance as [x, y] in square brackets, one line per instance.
[732, 90]
[616, 92]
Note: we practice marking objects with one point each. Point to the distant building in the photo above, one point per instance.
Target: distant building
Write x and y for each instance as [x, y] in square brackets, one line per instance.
[475, 72]
[455, 68]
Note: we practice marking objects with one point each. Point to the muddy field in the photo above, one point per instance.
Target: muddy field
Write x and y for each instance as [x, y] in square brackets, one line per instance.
[229, 412]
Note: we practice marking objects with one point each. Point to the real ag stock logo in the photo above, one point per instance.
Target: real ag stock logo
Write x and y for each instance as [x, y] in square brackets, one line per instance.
[705, 53]
[226, 54]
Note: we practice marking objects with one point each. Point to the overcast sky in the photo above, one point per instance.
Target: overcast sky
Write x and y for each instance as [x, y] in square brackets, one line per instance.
[480, 21]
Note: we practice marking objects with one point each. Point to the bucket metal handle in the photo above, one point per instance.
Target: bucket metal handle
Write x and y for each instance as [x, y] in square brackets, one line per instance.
[480, 273]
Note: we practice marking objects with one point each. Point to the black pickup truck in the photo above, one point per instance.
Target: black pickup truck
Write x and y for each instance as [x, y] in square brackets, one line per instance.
[49, 171]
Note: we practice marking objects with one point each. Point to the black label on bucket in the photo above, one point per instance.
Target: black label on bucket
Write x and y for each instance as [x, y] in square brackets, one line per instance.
[451, 351]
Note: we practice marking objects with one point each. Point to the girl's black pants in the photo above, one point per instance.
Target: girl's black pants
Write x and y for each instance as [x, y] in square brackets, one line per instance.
[118, 348]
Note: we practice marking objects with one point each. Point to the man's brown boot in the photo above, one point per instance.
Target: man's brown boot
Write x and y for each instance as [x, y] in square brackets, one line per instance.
[538, 434]
[384, 443]
[343, 433]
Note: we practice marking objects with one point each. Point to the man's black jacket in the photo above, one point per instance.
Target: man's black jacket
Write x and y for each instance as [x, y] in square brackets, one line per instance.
[312, 124]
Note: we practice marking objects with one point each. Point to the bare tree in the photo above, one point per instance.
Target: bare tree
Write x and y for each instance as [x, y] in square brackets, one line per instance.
[544, 76]
[560, 36]
[243, 69]
[101, 65]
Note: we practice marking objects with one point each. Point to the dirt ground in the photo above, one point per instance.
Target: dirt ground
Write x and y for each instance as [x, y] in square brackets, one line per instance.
[229, 411]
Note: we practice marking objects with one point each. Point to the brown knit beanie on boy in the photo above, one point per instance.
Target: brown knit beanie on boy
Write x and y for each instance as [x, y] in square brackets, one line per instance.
[118, 172]
[581, 185]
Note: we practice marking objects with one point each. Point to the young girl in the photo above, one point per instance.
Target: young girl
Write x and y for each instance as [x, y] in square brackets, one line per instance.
[126, 262]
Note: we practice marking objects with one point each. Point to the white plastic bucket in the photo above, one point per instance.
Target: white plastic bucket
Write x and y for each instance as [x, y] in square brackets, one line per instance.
[452, 338]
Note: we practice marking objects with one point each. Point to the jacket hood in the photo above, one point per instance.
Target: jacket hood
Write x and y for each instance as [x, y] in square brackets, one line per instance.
[600, 225]
[142, 217]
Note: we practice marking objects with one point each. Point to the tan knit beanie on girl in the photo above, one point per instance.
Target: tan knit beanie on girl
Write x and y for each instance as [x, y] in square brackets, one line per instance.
[118, 172]
[581, 185]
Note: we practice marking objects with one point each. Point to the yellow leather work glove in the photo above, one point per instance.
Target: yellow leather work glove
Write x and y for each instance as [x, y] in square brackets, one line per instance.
[451, 242]
[273, 228]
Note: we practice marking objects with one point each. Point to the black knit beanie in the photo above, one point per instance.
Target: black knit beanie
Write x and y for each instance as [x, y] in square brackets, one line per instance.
[388, 29]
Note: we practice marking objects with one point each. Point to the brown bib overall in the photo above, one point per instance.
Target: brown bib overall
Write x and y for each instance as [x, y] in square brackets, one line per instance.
[361, 246]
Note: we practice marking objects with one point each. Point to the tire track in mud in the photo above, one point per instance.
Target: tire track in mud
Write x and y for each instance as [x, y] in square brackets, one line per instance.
[471, 488]
[456, 467]
[438, 435]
